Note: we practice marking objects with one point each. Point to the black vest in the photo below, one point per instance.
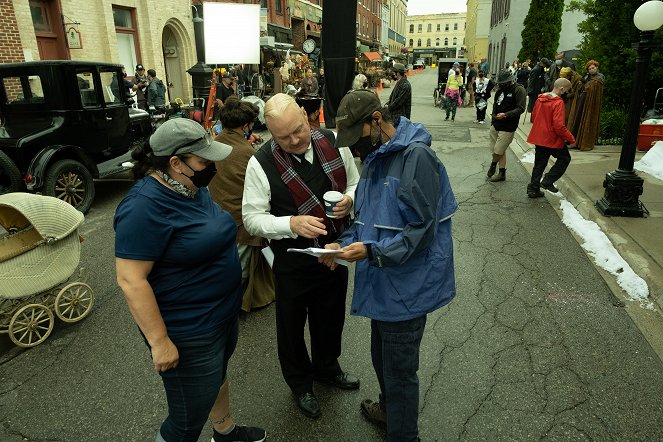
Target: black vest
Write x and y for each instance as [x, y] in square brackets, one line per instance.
[282, 205]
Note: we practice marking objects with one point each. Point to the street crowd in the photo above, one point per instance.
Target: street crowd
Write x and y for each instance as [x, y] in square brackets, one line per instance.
[214, 226]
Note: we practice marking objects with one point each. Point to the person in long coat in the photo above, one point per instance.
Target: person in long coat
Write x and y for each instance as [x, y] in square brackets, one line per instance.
[586, 109]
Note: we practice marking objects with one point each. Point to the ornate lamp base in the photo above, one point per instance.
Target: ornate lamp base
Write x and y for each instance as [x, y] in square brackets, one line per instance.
[622, 189]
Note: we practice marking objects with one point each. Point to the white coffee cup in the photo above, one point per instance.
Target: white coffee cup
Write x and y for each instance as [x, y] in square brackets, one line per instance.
[331, 199]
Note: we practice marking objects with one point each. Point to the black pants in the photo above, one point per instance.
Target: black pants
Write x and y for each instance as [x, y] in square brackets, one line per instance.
[481, 114]
[321, 298]
[541, 157]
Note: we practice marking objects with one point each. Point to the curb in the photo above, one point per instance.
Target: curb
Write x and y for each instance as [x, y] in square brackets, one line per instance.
[632, 252]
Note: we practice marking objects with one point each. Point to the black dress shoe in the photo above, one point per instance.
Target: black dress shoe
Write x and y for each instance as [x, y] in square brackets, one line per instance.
[343, 380]
[308, 403]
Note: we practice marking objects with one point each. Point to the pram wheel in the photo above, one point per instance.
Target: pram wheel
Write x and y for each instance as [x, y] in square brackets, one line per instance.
[74, 302]
[31, 325]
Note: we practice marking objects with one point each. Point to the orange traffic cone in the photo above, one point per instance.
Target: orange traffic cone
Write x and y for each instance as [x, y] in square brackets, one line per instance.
[380, 84]
[322, 115]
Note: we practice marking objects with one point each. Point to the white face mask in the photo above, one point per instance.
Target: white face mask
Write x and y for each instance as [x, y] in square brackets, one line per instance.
[558, 62]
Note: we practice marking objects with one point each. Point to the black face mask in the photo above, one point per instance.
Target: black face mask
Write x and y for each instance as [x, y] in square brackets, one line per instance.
[364, 146]
[201, 178]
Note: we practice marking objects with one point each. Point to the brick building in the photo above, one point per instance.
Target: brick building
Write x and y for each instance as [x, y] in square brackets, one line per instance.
[369, 25]
[158, 35]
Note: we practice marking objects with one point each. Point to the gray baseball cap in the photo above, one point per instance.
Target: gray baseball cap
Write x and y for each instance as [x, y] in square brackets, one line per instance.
[181, 135]
[356, 106]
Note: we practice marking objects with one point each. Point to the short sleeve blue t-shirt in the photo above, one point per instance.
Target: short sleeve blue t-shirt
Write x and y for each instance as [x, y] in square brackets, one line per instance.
[197, 277]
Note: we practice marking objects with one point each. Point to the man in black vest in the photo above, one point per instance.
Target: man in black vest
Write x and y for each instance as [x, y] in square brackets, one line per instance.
[509, 104]
[283, 201]
[400, 100]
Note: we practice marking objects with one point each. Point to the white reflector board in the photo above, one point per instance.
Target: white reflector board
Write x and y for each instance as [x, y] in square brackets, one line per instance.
[232, 33]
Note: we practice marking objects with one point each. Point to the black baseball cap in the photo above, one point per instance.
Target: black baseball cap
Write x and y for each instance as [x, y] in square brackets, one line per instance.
[355, 107]
[139, 67]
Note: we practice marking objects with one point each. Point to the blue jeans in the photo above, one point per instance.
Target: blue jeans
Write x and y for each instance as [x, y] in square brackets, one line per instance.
[395, 354]
[193, 386]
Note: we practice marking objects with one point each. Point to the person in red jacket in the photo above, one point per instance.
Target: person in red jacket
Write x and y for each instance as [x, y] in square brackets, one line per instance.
[550, 135]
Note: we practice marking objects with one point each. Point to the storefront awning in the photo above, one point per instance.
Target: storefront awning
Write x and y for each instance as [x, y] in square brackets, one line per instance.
[372, 56]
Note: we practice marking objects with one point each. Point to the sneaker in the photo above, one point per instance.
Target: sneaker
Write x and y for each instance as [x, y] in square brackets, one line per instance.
[550, 187]
[482, 122]
[453, 118]
[446, 119]
[476, 121]
[534, 193]
[373, 412]
[241, 434]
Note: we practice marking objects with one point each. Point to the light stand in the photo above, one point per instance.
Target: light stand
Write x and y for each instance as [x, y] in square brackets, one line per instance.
[623, 186]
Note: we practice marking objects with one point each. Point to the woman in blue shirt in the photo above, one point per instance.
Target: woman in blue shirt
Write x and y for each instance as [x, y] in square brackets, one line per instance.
[177, 264]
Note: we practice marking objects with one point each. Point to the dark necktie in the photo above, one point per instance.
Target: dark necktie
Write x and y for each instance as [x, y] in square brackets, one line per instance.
[305, 165]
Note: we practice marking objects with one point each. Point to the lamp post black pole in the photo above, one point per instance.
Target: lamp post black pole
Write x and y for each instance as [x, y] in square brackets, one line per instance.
[200, 72]
[623, 186]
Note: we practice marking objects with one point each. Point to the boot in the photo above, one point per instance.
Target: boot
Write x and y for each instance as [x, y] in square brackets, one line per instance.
[501, 176]
[533, 191]
[549, 187]
[491, 169]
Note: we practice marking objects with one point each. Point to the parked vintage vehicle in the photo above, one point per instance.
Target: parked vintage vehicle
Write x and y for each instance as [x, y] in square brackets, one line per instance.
[64, 124]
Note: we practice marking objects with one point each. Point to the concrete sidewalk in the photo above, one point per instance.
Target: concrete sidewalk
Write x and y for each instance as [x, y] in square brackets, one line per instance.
[638, 240]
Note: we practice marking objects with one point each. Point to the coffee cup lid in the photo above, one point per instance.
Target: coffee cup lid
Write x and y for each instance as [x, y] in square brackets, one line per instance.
[332, 195]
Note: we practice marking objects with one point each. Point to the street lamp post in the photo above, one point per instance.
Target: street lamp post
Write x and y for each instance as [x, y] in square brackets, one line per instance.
[200, 72]
[623, 186]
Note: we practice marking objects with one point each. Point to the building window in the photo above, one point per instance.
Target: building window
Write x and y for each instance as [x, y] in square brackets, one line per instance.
[455, 26]
[411, 42]
[419, 42]
[446, 42]
[437, 41]
[455, 41]
[126, 32]
[430, 27]
[438, 27]
[419, 28]
[446, 27]
[411, 29]
[263, 3]
[428, 43]
[279, 7]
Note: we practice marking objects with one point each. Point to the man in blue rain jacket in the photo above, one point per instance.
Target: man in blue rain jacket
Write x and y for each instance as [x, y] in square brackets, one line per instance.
[401, 241]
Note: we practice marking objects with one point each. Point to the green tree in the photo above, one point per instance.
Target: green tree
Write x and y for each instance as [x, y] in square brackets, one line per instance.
[542, 26]
[608, 33]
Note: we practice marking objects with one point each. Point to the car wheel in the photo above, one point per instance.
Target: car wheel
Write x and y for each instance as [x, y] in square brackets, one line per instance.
[10, 176]
[71, 182]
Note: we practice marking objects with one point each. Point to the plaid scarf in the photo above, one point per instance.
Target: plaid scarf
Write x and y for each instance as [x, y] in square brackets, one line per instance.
[306, 201]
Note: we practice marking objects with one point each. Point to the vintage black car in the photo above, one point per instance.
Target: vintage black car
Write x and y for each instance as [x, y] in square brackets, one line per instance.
[64, 124]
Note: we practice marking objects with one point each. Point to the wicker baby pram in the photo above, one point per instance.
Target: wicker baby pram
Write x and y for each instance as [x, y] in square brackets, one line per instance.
[39, 252]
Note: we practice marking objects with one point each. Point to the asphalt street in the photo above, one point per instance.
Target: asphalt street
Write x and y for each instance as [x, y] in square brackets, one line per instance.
[534, 347]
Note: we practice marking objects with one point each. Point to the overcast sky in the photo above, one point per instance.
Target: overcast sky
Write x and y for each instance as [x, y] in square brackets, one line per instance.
[417, 7]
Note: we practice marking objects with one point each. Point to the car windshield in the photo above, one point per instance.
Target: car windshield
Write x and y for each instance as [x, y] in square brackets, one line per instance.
[22, 90]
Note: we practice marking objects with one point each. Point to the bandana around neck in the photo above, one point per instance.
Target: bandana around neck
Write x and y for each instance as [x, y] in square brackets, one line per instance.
[176, 185]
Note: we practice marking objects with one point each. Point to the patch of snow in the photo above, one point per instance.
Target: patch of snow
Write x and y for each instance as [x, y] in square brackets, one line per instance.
[652, 161]
[528, 157]
[599, 247]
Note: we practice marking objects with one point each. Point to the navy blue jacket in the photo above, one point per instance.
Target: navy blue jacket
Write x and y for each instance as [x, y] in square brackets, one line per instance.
[404, 205]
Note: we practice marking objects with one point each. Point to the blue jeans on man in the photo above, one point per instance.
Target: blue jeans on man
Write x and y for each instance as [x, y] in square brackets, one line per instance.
[395, 354]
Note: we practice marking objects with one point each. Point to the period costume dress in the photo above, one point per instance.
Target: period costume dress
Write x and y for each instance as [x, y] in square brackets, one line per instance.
[585, 114]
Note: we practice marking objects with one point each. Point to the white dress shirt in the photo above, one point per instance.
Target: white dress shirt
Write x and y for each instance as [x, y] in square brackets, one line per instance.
[258, 220]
